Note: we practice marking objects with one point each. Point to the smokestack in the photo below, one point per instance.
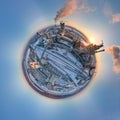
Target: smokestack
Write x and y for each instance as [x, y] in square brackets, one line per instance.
[68, 9]
[114, 51]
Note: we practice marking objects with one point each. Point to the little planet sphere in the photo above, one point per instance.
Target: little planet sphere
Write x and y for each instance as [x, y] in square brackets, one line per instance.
[59, 61]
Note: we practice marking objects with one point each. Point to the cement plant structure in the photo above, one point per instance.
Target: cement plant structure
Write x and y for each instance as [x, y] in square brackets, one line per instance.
[59, 61]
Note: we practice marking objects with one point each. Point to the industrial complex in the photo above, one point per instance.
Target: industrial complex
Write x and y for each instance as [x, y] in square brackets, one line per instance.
[59, 61]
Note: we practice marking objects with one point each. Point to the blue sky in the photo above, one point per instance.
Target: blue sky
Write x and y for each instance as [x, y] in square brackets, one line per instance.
[18, 21]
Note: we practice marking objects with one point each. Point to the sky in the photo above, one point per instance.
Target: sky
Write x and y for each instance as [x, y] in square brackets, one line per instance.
[19, 20]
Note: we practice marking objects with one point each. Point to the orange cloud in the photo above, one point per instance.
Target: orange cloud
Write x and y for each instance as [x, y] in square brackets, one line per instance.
[71, 6]
[116, 18]
[114, 51]
[68, 9]
[108, 11]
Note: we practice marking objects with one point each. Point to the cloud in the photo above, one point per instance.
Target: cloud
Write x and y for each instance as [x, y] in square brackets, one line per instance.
[116, 18]
[68, 9]
[114, 51]
[71, 6]
[84, 7]
[107, 10]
